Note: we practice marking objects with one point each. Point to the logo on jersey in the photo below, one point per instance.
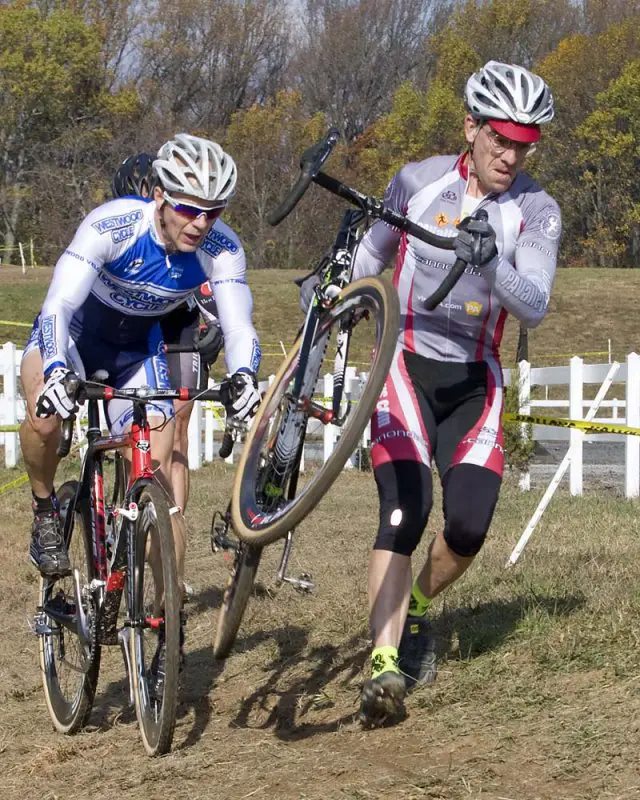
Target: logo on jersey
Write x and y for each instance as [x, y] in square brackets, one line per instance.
[449, 196]
[136, 265]
[48, 337]
[122, 234]
[216, 242]
[112, 224]
[383, 414]
[473, 308]
[206, 290]
[256, 356]
[550, 226]
[441, 219]
[135, 300]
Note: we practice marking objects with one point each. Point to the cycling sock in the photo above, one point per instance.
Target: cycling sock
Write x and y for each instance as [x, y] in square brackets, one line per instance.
[384, 659]
[45, 505]
[419, 603]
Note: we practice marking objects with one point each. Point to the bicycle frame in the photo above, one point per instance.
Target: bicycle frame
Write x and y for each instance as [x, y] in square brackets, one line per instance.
[107, 587]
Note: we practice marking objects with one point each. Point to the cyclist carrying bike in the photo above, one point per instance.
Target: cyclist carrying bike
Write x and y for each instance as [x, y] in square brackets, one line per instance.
[135, 177]
[443, 397]
[131, 262]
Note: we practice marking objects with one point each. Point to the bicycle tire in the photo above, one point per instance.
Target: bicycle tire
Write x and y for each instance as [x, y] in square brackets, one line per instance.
[236, 597]
[156, 715]
[70, 715]
[249, 523]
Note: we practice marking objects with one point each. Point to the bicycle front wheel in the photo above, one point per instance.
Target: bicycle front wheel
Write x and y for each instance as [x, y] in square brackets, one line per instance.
[154, 616]
[236, 597]
[66, 624]
[262, 507]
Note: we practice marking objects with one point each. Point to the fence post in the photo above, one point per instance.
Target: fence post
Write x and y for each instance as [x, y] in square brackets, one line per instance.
[576, 437]
[632, 443]
[195, 436]
[11, 446]
[524, 406]
[209, 427]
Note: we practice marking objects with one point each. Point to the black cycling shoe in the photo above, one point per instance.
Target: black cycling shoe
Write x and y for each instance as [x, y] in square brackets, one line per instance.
[382, 699]
[48, 551]
[417, 652]
[156, 669]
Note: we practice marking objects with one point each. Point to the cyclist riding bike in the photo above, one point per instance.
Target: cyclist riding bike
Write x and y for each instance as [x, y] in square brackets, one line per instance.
[131, 262]
[135, 177]
[443, 397]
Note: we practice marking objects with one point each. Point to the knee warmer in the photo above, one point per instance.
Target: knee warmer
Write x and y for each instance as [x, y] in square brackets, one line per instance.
[405, 491]
[465, 536]
[470, 495]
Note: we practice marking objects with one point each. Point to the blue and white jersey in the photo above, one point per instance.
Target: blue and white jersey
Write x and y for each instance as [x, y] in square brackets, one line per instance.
[116, 280]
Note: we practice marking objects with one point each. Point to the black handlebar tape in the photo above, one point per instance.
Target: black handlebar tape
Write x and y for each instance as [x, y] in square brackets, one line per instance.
[434, 239]
[66, 437]
[227, 445]
[447, 285]
[311, 161]
[290, 201]
[482, 216]
[180, 348]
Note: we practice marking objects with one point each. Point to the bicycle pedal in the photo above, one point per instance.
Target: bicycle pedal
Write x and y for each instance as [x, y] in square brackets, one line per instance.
[302, 584]
[40, 626]
[221, 542]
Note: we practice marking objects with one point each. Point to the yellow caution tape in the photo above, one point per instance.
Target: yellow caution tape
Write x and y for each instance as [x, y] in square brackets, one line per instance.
[9, 428]
[17, 324]
[15, 483]
[581, 425]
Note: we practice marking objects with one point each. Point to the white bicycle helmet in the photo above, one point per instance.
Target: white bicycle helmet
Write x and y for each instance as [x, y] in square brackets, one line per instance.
[197, 167]
[511, 93]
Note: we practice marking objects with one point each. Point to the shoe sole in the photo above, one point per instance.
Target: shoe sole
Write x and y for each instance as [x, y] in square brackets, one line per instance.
[55, 574]
[380, 703]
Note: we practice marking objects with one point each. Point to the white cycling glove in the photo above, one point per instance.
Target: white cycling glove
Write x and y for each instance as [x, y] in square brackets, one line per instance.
[240, 395]
[53, 399]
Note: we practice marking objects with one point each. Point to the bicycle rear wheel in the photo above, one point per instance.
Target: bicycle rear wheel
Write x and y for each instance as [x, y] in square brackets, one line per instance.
[262, 509]
[69, 652]
[236, 596]
[155, 620]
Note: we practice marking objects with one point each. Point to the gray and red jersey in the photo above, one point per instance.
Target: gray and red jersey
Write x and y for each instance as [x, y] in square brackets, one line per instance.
[468, 324]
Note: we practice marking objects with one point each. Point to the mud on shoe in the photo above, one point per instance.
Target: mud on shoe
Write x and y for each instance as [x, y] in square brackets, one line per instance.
[417, 652]
[47, 550]
[382, 699]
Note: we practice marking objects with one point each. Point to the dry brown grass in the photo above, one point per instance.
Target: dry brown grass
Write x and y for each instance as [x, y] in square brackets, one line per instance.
[537, 696]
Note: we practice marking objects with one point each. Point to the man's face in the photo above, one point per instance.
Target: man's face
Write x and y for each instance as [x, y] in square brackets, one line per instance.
[182, 219]
[496, 159]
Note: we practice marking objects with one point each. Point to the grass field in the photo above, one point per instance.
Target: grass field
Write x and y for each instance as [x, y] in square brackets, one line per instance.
[538, 692]
[588, 307]
[537, 697]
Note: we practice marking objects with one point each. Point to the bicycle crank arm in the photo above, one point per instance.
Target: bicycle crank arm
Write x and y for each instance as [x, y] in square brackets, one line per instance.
[124, 637]
[82, 624]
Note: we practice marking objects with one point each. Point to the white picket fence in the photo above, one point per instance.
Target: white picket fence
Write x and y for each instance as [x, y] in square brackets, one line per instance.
[207, 422]
[623, 409]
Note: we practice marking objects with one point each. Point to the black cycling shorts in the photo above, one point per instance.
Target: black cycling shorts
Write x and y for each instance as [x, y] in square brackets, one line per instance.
[443, 410]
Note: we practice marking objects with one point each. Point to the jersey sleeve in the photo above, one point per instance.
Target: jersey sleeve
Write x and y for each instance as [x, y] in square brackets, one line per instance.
[380, 244]
[234, 305]
[73, 278]
[524, 288]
